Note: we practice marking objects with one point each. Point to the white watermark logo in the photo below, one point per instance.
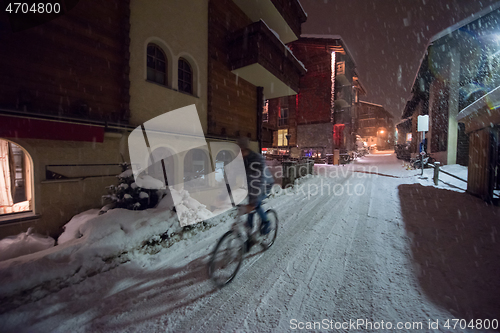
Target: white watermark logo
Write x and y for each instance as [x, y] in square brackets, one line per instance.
[203, 179]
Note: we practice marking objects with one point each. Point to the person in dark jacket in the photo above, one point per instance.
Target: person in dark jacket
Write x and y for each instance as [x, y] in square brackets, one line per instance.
[256, 184]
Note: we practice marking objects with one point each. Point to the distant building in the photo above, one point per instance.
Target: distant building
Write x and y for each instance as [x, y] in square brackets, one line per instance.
[319, 118]
[374, 125]
[404, 131]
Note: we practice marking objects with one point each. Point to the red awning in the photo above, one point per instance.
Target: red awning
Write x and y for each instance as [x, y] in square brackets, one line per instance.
[28, 128]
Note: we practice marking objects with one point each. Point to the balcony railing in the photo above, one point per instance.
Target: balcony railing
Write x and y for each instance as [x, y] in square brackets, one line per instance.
[293, 13]
[256, 48]
[283, 16]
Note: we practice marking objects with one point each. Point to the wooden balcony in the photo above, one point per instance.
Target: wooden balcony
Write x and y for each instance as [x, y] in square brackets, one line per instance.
[258, 56]
[283, 16]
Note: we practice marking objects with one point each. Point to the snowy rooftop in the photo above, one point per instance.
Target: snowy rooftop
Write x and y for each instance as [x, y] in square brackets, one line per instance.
[464, 22]
[320, 36]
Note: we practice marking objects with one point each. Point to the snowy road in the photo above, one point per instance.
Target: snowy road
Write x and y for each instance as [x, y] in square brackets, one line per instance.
[337, 258]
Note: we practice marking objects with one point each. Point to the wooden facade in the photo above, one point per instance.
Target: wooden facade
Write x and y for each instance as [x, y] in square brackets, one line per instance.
[293, 14]
[73, 66]
[314, 98]
[374, 124]
[314, 111]
[481, 122]
[232, 102]
[235, 42]
[256, 43]
[452, 77]
[478, 173]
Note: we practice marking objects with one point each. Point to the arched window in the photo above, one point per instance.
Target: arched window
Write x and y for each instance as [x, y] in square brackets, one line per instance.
[185, 76]
[157, 65]
[15, 179]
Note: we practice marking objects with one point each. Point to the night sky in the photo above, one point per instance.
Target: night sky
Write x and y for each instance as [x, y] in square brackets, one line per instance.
[387, 38]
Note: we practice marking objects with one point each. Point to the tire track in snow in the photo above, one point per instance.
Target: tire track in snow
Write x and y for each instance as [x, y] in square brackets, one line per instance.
[293, 236]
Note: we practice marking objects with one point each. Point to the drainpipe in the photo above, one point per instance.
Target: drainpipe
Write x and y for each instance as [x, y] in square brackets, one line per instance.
[260, 107]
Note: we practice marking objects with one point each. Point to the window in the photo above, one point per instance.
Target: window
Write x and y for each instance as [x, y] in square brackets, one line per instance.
[265, 112]
[185, 76]
[283, 112]
[282, 141]
[15, 179]
[157, 65]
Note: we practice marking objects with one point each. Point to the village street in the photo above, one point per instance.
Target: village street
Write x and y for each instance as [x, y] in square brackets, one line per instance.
[385, 250]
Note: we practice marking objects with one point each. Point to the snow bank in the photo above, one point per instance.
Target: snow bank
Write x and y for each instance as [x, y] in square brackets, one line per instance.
[90, 241]
[72, 228]
[24, 243]
[188, 209]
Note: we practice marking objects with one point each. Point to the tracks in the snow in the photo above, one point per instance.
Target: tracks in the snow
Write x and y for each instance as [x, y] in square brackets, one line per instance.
[284, 273]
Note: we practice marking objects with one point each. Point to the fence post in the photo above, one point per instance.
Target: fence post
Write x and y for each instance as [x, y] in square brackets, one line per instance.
[436, 172]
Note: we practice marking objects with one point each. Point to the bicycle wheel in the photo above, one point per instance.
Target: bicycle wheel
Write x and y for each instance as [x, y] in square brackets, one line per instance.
[266, 241]
[226, 259]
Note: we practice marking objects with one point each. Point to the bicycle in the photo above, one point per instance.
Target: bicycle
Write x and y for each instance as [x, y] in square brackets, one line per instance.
[228, 254]
[416, 162]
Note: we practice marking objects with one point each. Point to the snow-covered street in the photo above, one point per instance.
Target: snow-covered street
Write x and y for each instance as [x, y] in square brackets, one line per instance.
[364, 242]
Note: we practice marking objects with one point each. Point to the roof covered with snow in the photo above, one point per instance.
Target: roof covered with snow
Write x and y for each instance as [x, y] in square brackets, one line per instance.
[453, 28]
[332, 37]
[466, 21]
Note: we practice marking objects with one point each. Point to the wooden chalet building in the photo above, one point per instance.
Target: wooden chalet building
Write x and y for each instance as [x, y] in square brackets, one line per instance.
[374, 125]
[459, 66]
[319, 118]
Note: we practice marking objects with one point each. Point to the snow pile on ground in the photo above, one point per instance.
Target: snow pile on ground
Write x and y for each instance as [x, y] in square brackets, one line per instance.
[24, 243]
[72, 228]
[91, 243]
[188, 209]
[445, 181]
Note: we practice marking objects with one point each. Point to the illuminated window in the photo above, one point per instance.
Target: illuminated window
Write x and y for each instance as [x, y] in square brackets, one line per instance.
[265, 112]
[282, 141]
[156, 65]
[15, 179]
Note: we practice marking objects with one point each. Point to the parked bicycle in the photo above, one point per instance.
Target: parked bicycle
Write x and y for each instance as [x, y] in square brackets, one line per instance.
[416, 162]
[228, 254]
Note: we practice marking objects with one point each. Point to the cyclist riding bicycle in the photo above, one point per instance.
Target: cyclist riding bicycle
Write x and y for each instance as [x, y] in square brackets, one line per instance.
[257, 182]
